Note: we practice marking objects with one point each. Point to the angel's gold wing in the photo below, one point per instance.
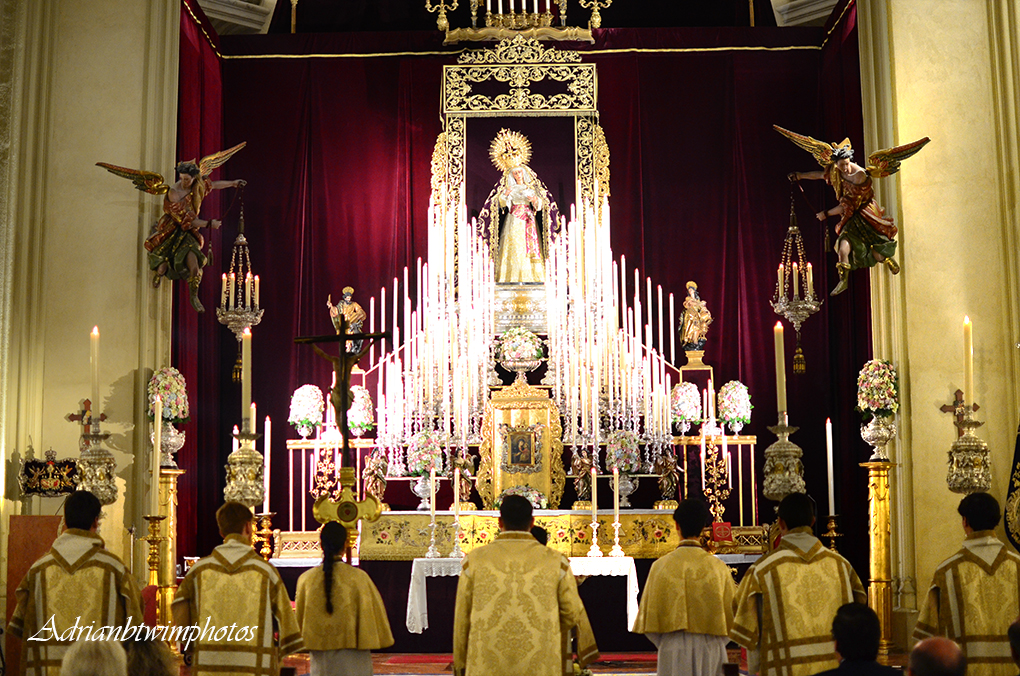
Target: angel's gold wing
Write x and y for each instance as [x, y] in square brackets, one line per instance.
[884, 163]
[146, 181]
[210, 162]
[820, 150]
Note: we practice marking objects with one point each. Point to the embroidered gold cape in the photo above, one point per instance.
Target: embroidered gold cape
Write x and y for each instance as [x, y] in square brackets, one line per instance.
[358, 621]
[795, 592]
[687, 590]
[515, 597]
[233, 586]
[974, 597]
[78, 583]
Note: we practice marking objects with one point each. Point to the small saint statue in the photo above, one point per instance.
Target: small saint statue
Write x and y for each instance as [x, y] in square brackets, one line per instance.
[694, 321]
[352, 312]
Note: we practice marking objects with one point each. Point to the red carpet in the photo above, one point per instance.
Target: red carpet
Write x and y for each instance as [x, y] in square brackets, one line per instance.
[420, 659]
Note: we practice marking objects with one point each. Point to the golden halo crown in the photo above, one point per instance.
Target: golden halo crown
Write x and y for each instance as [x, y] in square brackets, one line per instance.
[692, 285]
[347, 289]
[510, 149]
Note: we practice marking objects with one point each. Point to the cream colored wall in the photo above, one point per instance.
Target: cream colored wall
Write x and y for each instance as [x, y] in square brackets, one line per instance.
[935, 69]
[90, 82]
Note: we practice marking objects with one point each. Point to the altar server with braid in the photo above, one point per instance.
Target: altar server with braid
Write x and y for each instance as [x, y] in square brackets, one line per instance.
[973, 597]
[239, 602]
[787, 599]
[687, 605]
[514, 600]
[340, 612]
[78, 583]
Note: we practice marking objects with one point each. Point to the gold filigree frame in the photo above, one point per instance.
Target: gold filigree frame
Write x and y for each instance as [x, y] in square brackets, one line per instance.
[513, 67]
[521, 409]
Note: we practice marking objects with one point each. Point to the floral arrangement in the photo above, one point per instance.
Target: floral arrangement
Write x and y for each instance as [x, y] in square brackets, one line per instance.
[686, 403]
[168, 383]
[306, 406]
[519, 344]
[424, 453]
[735, 403]
[877, 390]
[535, 497]
[622, 452]
[360, 417]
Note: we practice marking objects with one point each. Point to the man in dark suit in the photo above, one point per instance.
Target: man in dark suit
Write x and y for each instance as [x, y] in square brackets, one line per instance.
[856, 631]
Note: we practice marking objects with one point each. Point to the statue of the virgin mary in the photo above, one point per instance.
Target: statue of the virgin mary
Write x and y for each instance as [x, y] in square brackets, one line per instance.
[518, 213]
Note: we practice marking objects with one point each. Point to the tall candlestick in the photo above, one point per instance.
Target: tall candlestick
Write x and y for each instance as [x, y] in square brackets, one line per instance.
[828, 462]
[157, 442]
[94, 366]
[616, 495]
[968, 362]
[703, 457]
[265, 471]
[780, 367]
[456, 494]
[672, 333]
[594, 495]
[246, 378]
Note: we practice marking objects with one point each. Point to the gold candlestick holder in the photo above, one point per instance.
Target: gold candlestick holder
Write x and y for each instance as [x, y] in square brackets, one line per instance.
[155, 540]
[880, 568]
[831, 533]
[264, 534]
[717, 479]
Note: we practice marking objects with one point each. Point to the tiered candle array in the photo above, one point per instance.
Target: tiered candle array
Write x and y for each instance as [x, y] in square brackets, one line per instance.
[607, 373]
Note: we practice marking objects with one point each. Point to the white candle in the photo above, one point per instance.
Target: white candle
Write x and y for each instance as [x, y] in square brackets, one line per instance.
[246, 378]
[729, 464]
[616, 495]
[810, 281]
[488, 6]
[828, 461]
[157, 440]
[703, 459]
[247, 290]
[94, 364]
[432, 493]
[780, 287]
[265, 471]
[594, 495]
[231, 289]
[223, 291]
[968, 362]
[780, 367]
[672, 333]
[660, 318]
[257, 304]
[796, 279]
[235, 444]
[456, 494]
[536, 6]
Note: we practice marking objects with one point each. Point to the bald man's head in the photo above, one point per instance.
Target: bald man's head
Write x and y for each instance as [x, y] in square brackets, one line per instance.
[937, 656]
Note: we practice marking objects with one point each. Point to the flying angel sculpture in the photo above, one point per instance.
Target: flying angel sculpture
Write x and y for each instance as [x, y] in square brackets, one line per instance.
[175, 245]
[865, 236]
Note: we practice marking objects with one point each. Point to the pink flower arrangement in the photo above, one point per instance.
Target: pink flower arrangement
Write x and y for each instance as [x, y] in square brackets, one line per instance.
[622, 452]
[735, 403]
[535, 497]
[519, 344]
[685, 403]
[424, 453]
[877, 390]
[168, 383]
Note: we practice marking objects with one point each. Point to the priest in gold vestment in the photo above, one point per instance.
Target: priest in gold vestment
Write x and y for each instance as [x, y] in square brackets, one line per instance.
[234, 587]
[687, 605]
[787, 599]
[974, 593]
[340, 612]
[76, 584]
[515, 597]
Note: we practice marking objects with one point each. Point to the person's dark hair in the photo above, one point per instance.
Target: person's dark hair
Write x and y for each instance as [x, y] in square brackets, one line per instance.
[81, 510]
[857, 632]
[796, 510]
[691, 517]
[232, 517]
[842, 153]
[189, 168]
[933, 657]
[149, 658]
[334, 540]
[1014, 640]
[981, 511]
[515, 512]
[540, 534]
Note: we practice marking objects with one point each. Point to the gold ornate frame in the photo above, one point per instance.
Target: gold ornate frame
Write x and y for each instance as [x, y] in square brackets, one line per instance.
[516, 411]
[514, 66]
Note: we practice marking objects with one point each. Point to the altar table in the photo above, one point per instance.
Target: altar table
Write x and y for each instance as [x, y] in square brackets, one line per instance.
[417, 603]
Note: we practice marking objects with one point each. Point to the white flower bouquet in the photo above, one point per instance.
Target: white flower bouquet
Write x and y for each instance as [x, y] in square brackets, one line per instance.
[168, 383]
[877, 390]
[519, 344]
[535, 497]
[685, 403]
[622, 452]
[306, 406]
[360, 417]
[735, 404]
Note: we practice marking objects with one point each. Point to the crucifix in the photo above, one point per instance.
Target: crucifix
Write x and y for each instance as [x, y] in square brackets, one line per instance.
[957, 408]
[84, 418]
[340, 396]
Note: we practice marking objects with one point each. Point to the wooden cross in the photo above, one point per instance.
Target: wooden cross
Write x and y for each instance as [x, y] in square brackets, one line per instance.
[84, 417]
[342, 366]
[957, 408]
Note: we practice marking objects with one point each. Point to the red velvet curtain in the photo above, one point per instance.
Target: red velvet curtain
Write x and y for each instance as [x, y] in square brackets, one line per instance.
[338, 168]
